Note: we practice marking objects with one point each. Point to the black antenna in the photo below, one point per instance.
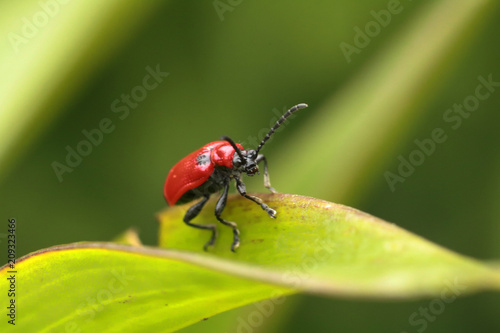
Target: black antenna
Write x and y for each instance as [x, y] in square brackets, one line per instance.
[231, 142]
[279, 122]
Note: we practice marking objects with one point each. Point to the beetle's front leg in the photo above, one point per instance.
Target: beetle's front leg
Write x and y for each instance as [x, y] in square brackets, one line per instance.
[267, 182]
[240, 186]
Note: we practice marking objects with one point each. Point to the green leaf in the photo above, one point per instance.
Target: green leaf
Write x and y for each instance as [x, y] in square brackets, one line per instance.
[95, 287]
[327, 248]
[128, 237]
[313, 246]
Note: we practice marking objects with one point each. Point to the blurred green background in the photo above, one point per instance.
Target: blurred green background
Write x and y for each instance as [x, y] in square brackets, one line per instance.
[231, 67]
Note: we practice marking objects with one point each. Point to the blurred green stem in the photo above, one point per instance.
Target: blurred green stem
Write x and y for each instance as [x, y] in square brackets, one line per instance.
[48, 52]
[346, 144]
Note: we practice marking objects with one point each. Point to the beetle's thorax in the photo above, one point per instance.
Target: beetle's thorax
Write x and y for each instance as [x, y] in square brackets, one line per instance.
[248, 165]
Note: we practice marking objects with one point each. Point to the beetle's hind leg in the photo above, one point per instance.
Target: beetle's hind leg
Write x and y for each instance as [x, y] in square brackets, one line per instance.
[219, 207]
[192, 212]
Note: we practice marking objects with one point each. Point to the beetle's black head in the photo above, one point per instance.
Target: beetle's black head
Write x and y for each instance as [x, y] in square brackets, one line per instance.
[246, 162]
[243, 160]
[250, 167]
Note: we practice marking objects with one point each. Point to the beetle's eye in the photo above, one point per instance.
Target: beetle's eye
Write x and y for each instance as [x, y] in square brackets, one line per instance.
[236, 161]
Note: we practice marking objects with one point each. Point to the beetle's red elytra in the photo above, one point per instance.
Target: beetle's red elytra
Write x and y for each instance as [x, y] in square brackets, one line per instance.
[195, 169]
[210, 169]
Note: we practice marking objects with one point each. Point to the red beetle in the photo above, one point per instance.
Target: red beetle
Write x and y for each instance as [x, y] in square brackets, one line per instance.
[210, 169]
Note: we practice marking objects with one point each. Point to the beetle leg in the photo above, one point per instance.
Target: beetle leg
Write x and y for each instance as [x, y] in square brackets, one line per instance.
[240, 186]
[192, 212]
[219, 207]
[267, 182]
